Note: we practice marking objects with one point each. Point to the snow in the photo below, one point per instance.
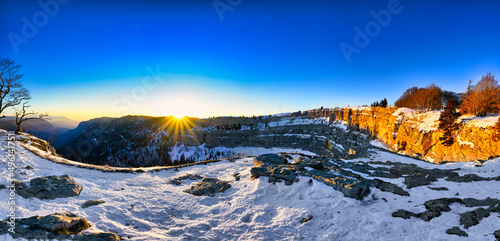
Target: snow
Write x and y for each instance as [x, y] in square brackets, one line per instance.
[404, 111]
[468, 143]
[143, 206]
[295, 121]
[378, 144]
[428, 121]
[482, 122]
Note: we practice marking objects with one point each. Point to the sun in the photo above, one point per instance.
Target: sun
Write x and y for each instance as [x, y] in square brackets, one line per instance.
[178, 116]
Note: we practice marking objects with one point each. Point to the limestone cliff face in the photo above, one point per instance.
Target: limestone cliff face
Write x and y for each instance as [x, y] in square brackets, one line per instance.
[400, 133]
[310, 137]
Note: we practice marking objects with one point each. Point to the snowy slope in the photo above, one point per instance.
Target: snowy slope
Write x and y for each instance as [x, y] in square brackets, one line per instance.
[143, 206]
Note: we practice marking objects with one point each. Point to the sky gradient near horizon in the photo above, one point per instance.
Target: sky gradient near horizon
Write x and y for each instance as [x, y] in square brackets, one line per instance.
[87, 59]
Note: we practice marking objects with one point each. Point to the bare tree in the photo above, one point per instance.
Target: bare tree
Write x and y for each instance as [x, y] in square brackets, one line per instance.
[12, 91]
[22, 116]
[483, 97]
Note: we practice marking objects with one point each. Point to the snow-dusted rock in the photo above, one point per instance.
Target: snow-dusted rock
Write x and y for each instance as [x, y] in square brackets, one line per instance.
[91, 203]
[50, 187]
[208, 187]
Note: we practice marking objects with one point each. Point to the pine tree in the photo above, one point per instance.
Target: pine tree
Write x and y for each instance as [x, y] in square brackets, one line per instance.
[447, 122]
[383, 103]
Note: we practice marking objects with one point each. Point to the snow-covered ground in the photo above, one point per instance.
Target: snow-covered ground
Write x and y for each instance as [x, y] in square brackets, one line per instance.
[145, 207]
[428, 121]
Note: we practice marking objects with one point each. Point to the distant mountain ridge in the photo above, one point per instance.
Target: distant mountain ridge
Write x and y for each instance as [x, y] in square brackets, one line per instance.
[141, 141]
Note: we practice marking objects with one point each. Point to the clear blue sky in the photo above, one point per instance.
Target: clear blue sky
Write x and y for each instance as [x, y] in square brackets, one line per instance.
[89, 58]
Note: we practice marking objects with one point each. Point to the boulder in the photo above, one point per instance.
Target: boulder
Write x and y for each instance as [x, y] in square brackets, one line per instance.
[208, 187]
[429, 215]
[270, 159]
[497, 234]
[90, 203]
[50, 187]
[457, 231]
[302, 162]
[416, 180]
[404, 214]
[438, 188]
[466, 178]
[441, 204]
[178, 180]
[471, 218]
[350, 187]
[390, 187]
[54, 226]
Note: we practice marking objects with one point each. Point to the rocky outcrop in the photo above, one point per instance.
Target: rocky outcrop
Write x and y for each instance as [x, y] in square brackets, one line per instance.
[335, 173]
[400, 133]
[310, 137]
[468, 219]
[50, 187]
[60, 226]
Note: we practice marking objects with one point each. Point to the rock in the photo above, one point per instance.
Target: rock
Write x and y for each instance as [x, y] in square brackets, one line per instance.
[352, 188]
[428, 215]
[471, 218]
[497, 234]
[277, 172]
[237, 176]
[403, 214]
[302, 162]
[272, 159]
[305, 220]
[2, 187]
[90, 203]
[54, 226]
[416, 180]
[466, 178]
[98, 237]
[438, 188]
[384, 174]
[472, 202]
[441, 205]
[281, 173]
[178, 180]
[457, 231]
[390, 187]
[256, 172]
[50, 187]
[28, 167]
[208, 186]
